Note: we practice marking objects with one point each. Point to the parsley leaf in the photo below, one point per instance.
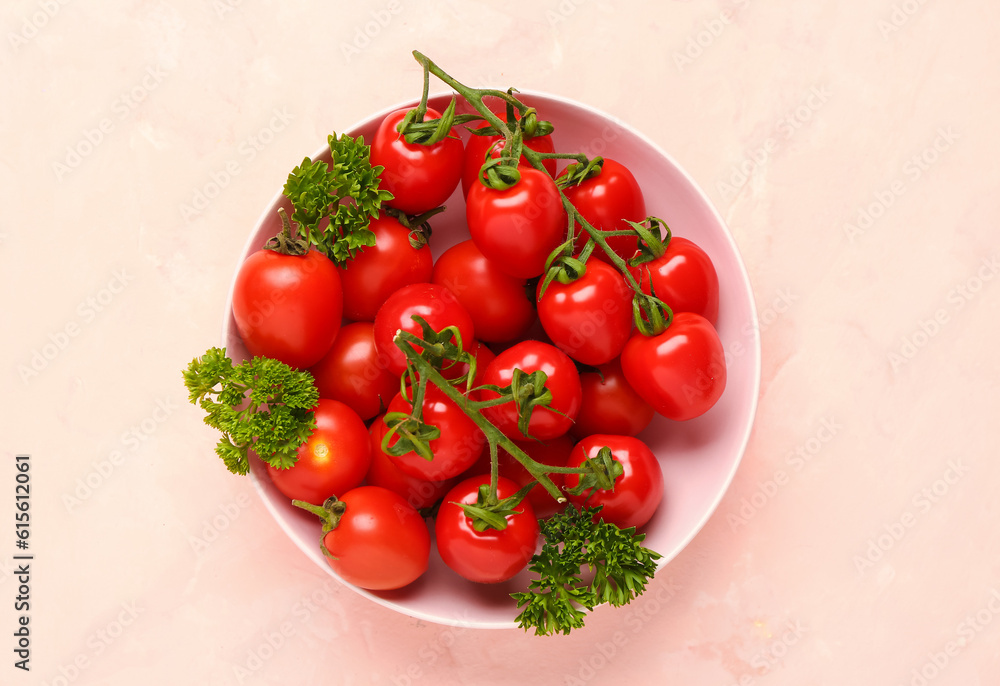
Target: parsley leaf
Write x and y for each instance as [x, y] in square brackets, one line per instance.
[333, 203]
[261, 405]
[558, 600]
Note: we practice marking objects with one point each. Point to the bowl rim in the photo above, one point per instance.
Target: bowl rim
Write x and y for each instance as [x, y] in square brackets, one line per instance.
[754, 344]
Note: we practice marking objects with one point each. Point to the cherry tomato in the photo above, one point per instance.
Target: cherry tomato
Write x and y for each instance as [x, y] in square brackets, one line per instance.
[490, 556]
[378, 271]
[682, 371]
[683, 277]
[555, 453]
[460, 444]
[334, 460]
[606, 201]
[477, 147]
[563, 382]
[610, 404]
[381, 542]
[638, 491]
[288, 307]
[498, 304]
[420, 177]
[354, 373]
[589, 319]
[519, 227]
[435, 303]
[418, 492]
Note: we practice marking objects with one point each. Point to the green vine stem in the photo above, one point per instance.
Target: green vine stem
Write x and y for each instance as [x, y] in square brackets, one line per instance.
[652, 315]
[496, 438]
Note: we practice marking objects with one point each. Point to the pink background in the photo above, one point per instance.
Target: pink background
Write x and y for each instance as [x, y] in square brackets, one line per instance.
[849, 145]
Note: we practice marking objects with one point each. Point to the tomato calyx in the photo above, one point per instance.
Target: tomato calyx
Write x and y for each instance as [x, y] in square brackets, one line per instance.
[330, 514]
[651, 246]
[444, 350]
[580, 171]
[600, 472]
[488, 512]
[418, 224]
[286, 242]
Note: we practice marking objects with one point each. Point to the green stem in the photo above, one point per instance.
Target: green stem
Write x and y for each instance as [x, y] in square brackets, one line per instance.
[495, 437]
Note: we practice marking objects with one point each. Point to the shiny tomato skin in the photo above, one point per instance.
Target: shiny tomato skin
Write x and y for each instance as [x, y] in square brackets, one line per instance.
[334, 460]
[519, 227]
[378, 271]
[458, 447]
[435, 303]
[498, 304]
[381, 542]
[681, 372]
[563, 382]
[610, 404]
[490, 556]
[683, 277]
[354, 373]
[477, 147]
[419, 493]
[606, 201]
[589, 319]
[637, 492]
[420, 177]
[288, 307]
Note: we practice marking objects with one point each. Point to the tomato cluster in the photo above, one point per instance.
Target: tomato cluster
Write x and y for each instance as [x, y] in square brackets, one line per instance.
[490, 295]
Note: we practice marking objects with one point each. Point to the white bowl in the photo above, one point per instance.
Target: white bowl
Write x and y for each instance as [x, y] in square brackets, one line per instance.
[699, 457]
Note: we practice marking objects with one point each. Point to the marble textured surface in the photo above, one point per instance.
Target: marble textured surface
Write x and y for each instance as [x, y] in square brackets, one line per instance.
[851, 146]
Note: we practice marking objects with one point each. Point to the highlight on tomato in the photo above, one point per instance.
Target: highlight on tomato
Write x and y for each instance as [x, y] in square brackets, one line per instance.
[332, 461]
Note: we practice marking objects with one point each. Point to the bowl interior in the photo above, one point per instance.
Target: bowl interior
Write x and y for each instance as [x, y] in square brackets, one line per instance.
[698, 457]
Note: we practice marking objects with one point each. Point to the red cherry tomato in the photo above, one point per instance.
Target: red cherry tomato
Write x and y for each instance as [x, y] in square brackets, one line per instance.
[563, 382]
[288, 307]
[682, 371]
[589, 319]
[420, 177]
[436, 304]
[378, 271]
[477, 147]
[555, 453]
[381, 542]
[638, 491]
[606, 201]
[417, 492]
[334, 460]
[354, 373]
[490, 556]
[683, 277]
[498, 304]
[519, 227]
[610, 404]
[460, 444]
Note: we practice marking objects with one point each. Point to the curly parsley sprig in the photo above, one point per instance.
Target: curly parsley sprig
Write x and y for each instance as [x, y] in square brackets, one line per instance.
[559, 599]
[261, 405]
[333, 203]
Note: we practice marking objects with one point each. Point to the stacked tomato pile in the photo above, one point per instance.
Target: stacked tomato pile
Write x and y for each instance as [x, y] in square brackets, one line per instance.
[532, 352]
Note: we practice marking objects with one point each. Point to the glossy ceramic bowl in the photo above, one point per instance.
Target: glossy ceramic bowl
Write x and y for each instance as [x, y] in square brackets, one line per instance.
[698, 457]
